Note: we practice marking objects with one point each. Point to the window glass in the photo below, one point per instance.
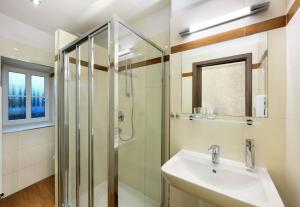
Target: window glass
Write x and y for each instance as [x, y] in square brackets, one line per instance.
[37, 96]
[37, 107]
[37, 86]
[16, 96]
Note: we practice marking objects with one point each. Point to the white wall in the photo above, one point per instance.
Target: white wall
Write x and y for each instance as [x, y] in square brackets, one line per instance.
[23, 33]
[270, 145]
[193, 12]
[156, 27]
[293, 111]
[1, 148]
[198, 136]
[25, 52]
[27, 158]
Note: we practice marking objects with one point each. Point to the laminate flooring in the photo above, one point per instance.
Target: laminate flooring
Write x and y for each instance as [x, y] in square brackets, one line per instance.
[40, 194]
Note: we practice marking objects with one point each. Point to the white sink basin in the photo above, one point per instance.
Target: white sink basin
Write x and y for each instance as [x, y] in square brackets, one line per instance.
[225, 184]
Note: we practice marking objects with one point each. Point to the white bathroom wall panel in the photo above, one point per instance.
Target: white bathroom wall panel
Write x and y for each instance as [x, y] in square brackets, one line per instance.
[191, 13]
[156, 27]
[20, 51]
[269, 136]
[27, 158]
[198, 136]
[1, 155]
[293, 111]
[25, 34]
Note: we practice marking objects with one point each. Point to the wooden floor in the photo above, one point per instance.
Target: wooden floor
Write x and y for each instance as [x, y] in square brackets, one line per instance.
[40, 194]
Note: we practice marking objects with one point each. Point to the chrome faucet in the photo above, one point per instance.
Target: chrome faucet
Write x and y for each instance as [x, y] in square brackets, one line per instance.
[249, 154]
[215, 153]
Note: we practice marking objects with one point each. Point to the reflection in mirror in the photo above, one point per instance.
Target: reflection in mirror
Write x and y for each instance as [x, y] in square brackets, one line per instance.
[229, 79]
[226, 79]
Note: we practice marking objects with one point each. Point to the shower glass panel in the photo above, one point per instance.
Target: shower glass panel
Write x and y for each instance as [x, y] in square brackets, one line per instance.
[99, 44]
[71, 94]
[77, 87]
[139, 101]
[110, 104]
[82, 122]
[77, 116]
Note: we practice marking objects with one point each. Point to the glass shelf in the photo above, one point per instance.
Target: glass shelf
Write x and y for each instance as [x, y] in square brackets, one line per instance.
[193, 117]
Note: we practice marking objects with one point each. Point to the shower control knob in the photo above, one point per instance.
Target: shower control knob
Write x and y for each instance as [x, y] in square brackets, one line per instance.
[121, 116]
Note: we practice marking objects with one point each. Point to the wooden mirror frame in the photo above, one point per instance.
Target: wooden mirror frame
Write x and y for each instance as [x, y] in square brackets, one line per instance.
[197, 78]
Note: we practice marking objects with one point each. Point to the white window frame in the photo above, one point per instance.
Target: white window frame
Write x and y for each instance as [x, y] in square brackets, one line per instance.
[28, 73]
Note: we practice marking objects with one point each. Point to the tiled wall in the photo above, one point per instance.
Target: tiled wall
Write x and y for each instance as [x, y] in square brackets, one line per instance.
[293, 111]
[27, 158]
[269, 135]
[25, 52]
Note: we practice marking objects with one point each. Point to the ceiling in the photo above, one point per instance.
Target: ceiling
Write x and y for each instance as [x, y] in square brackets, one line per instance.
[77, 16]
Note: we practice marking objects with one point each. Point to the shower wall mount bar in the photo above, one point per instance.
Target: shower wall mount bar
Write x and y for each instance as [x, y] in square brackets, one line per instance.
[238, 14]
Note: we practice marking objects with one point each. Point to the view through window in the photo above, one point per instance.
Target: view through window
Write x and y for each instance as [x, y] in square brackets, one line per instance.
[26, 96]
[37, 97]
[16, 96]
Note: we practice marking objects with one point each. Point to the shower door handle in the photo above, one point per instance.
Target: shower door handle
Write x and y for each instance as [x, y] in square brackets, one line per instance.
[78, 155]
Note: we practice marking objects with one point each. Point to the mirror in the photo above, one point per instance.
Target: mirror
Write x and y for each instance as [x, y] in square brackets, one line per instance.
[227, 79]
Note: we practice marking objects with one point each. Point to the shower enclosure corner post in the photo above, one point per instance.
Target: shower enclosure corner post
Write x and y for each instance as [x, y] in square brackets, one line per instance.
[163, 126]
[77, 132]
[90, 122]
[113, 47]
[62, 160]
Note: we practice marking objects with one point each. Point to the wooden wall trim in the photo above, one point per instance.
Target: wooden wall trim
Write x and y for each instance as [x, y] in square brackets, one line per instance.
[146, 62]
[294, 8]
[255, 66]
[274, 23]
[133, 66]
[187, 74]
[84, 63]
[267, 25]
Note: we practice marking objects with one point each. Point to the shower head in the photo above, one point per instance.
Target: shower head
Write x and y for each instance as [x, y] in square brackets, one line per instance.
[126, 52]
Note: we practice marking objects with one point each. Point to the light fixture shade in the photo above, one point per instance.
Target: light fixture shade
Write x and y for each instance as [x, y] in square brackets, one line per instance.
[221, 20]
[124, 52]
[247, 11]
[36, 2]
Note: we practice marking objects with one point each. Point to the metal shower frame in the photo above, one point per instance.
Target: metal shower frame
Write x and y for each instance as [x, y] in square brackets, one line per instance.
[62, 114]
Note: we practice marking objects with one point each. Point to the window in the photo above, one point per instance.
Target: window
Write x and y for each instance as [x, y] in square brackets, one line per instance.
[16, 96]
[25, 96]
[37, 96]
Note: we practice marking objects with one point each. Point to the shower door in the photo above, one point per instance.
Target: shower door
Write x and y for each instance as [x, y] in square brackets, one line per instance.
[138, 99]
[110, 104]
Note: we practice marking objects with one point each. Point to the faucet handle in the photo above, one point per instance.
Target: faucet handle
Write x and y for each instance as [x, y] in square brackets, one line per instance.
[214, 148]
[249, 153]
[215, 151]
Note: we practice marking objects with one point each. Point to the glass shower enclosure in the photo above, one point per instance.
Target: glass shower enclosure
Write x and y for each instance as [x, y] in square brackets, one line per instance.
[110, 119]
